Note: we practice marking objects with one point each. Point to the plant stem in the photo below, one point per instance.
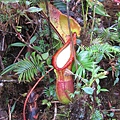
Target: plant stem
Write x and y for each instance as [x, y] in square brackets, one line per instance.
[73, 50]
[83, 13]
[93, 22]
[50, 32]
[25, 103]
[71, 41]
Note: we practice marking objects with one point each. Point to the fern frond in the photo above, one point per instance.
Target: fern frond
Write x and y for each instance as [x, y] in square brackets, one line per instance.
[7, 69]
[26, 69]
[100, 51]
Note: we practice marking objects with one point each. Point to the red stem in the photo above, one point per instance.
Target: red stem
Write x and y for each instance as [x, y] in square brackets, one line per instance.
[24, 117]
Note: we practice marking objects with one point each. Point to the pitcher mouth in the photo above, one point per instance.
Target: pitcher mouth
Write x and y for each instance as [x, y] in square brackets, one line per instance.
[64, 56]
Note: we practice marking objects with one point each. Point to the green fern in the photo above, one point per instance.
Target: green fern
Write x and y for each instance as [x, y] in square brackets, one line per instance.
[26, 69]
[91, 56]
[100, 51]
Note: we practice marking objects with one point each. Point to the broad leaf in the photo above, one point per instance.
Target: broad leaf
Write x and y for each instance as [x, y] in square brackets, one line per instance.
[88, 90]
[99, 9]
[34, 9]
[45, 55]
[60, 21]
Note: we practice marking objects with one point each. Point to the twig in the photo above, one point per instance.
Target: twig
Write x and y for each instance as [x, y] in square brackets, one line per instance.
[55, 111]
[8, 81]
[19, 54]
[1, 63]
[71, 40]
[55, 101]
[84, 14]
[75, 5]
[114, 110]
[33, 31]
[93, 22]
[50, 33]
[9, 112]
[24, 117]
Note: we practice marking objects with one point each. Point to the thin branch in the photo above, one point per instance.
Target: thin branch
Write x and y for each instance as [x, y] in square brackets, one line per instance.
[19, 54]
[50, 33]
[74, 7]
[9, 112]
[84, 14]
[55, 111]
[9, 81]
[93, 22]
[113, 110]
[34, 31]
[71, 39]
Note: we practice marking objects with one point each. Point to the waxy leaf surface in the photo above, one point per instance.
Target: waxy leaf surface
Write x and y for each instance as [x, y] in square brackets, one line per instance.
[60, 21]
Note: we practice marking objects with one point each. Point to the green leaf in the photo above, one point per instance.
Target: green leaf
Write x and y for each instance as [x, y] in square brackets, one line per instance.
[18, 44]
[98, 89]
[59, 5]
[37, 48]
[116, 81]
[74, 67]
[83, 55]
[97, 81]
[49, 104]
[45, 55]
[77, 92]
[102, 77]
[79, 72]
[99, 9]
[104, 90]
[48, 61]
[112, 114]
[24, 94]
[88, 90]
[19, 29]
[9, 68]
[27, 69]
[13, 107]
[34, 9]
[68, 0]
[45, 101]
[32, 40]
[27, 55]
[28, 2]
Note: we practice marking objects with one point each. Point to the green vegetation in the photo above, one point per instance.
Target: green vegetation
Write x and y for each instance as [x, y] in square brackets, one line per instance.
[37, 41]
